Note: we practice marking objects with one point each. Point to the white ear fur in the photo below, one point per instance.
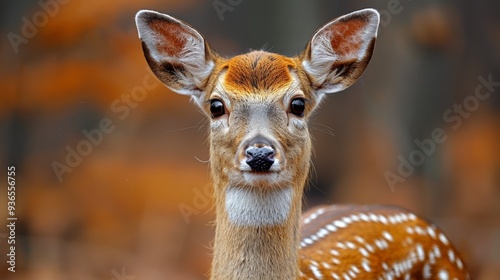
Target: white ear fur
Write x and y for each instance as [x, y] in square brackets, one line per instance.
[337, 47]
[162, 35]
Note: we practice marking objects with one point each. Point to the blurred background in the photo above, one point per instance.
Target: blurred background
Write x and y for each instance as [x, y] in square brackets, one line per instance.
[135, 202]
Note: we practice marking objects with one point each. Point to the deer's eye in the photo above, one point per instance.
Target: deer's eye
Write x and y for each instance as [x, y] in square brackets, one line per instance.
[216, 108]
[297, 107]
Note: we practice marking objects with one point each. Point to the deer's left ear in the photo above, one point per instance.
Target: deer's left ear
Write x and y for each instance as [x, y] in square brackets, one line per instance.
[340, 51]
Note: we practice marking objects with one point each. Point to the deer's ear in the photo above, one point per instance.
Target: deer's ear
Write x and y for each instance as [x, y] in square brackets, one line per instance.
[340, 51]
[177, 53]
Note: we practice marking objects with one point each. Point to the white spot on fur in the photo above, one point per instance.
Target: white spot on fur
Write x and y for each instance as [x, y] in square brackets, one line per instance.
[387, 236]
[443, 239]
[363, 252]
[366, 265]
[314, 269]
[331, 228]
[364, 217]
[443, 275]
[355, 269]
[420, 252]
[460, 265]
[347, 220]
[419, 230]
[437, 252]
[431, 232]
[339, 224]
[322, 233]
[392, 220]
[350, 245]
[341, 245]
[355, 218]
[426, 273]
[382, 219]
[451, 255]
[370, 248]
[359, 239]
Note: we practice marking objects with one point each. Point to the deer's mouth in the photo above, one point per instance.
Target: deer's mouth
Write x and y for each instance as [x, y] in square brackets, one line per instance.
[259, 176]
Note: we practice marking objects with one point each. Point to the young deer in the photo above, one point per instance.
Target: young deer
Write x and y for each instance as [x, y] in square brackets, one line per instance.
[258, 105]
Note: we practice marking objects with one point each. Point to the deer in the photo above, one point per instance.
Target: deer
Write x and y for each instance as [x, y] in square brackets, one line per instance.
[258, 105]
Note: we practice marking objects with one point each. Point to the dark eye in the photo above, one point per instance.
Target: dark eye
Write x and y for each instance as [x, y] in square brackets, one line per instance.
[297, 107]
[216, 108]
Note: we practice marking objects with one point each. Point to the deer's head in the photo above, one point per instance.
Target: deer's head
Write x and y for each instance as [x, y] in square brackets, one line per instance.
[258, 103]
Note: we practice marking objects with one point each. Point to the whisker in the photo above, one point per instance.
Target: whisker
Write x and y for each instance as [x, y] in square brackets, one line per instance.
[323, 128]
[202, 161]
[184, 129]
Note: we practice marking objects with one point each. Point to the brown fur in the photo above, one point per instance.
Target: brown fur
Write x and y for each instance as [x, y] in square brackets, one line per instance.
[258, 72]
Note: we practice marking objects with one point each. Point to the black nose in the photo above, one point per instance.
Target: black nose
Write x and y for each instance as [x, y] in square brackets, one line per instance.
[260, 158]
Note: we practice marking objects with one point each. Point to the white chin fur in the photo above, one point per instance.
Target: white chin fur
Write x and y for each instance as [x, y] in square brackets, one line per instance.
[251, 177]
[251, 207]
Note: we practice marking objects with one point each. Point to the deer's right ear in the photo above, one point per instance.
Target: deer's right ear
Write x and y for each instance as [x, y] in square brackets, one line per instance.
[177, 53]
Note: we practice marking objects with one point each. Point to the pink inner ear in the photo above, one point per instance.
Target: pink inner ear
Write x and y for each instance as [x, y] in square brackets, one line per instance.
[346, 37]
[172, 41]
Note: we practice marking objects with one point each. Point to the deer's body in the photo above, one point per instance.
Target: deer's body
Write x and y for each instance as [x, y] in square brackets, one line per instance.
[260, 147]
[374, 242]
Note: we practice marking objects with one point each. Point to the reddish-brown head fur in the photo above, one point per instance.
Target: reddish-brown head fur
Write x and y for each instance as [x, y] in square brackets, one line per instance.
[258, 72]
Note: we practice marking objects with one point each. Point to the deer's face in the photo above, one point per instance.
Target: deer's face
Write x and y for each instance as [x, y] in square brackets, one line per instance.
[258, 110]
[258, 104]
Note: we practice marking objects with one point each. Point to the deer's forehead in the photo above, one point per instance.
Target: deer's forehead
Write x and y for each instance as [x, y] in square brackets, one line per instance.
[258, 72]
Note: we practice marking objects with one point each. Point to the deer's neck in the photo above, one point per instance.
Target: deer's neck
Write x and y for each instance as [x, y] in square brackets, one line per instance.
[257, 234]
